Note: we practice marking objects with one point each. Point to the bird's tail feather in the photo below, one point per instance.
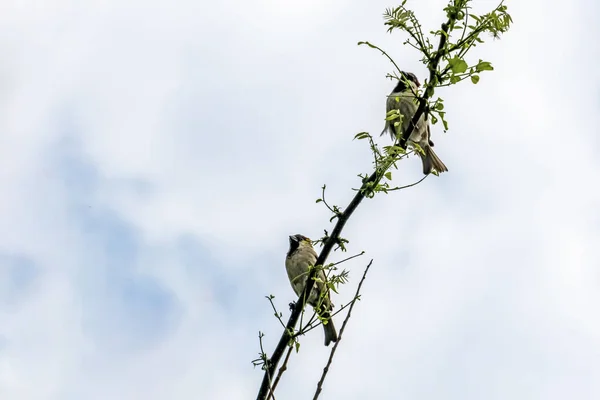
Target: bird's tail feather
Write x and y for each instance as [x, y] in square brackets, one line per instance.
[330, 332]
[386, 128]
[431, 161]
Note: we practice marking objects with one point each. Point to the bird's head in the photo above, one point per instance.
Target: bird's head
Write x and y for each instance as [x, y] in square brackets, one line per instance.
[412, 79]
[299, 240]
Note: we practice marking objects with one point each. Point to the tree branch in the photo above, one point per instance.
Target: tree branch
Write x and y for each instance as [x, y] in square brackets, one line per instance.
[433, 65]
[281, 371]
[369, 184]
[329, 361]
[343, 218]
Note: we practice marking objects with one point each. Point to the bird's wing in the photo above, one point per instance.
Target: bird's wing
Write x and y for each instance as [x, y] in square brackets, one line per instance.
[323, 286]
[404, 103]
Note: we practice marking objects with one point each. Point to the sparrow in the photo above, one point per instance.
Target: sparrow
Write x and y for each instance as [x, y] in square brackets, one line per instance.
[403, 100]
[300, 256]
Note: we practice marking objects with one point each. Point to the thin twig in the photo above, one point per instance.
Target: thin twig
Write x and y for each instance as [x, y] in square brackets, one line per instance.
[466, 23]
[264, 357]
[325, 202]
[309, 327]
[281, 371]
[330, 360]
[407, 186]
[382, 52]
[347, 259]
[275, 310]
[313, 319]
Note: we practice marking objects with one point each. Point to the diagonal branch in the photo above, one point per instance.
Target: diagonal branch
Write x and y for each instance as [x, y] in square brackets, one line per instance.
[431, 83]
[356, 297]
[343, 218]
[281, 371]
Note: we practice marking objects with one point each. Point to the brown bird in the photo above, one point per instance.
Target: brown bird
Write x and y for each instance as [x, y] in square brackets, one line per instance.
[300, 257]
[403, 100]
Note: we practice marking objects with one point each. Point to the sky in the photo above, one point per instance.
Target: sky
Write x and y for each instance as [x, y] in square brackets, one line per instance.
[155, 156]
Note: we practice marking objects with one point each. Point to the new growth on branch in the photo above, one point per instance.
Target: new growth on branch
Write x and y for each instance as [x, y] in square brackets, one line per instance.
[408, 124]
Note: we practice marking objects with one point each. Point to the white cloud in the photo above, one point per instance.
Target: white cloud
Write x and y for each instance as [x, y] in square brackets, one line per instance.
[154, 158]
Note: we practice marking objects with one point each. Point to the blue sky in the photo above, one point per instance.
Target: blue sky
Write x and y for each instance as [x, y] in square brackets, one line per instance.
[155, 156]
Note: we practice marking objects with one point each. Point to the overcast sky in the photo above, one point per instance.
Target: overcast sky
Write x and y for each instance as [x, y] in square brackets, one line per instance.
[155, 156]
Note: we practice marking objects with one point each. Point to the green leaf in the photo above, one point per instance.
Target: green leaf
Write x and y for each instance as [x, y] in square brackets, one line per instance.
[392, 115]
[475, 78]
[361, 135]
[368, 44]
[332, 286]
[394, 150]
[319, 200]
[388, 175]
[439, 106]
[484, 66]
[458, 65]
[454, 79]
[418, 148]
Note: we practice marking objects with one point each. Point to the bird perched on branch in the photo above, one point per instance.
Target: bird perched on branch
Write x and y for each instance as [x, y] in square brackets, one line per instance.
[300, 257]
[403, 99]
